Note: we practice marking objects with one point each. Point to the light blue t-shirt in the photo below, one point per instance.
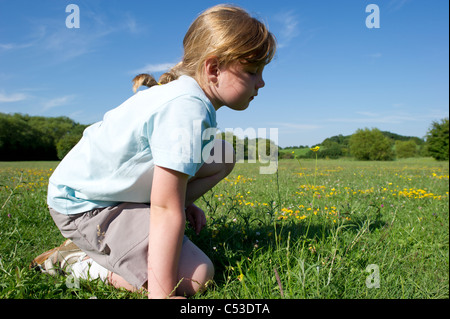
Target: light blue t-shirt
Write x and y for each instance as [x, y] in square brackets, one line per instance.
[171, 125]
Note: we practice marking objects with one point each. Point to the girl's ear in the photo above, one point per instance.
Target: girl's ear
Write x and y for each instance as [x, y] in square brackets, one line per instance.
[212, 69]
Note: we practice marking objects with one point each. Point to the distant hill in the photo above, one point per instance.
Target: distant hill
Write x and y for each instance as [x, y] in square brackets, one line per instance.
[341, 139]
[397, 137]
[338, 146]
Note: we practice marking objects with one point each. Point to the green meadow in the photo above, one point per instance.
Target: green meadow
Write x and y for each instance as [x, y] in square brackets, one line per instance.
[324, 229]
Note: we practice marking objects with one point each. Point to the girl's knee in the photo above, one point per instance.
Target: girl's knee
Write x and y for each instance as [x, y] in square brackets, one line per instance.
[208, 271]
[220, 162]
[195, 268]
[228, 156]
[203, 274]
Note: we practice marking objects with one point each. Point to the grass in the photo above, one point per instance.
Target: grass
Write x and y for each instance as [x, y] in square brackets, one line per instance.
[326, 229]
[295, 151]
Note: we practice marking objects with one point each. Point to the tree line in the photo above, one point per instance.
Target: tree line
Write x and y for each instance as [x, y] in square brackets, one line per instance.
[24, 137]
[375, 145]
[33, 138]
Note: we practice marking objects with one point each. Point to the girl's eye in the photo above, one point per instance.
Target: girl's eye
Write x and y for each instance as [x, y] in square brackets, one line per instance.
[253, 70]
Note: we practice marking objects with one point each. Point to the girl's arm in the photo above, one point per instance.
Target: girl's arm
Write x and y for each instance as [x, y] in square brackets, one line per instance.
[167, 223]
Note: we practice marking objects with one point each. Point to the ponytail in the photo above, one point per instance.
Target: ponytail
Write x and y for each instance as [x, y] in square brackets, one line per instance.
[143, 79]
[173, 74]
[149, 81]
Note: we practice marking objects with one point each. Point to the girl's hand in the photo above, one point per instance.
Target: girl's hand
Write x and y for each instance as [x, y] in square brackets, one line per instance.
[196, 218]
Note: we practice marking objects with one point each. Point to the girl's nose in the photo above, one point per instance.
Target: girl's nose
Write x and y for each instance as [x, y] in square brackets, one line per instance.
[260, 83]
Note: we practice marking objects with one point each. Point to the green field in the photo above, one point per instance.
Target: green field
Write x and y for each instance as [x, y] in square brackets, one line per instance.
[326, 229]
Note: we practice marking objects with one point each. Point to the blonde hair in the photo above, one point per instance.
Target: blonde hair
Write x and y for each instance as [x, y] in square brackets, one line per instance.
[226, 32]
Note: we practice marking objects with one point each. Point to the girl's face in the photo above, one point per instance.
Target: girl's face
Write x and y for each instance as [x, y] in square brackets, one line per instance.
[237, 85]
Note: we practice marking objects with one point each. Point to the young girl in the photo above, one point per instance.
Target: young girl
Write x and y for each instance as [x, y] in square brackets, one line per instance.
[124, 192]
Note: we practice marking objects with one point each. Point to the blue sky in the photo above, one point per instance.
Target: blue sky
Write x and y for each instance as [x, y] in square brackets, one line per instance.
[331, 75]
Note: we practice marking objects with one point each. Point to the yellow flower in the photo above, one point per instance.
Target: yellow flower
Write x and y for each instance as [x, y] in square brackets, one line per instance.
[315, 149]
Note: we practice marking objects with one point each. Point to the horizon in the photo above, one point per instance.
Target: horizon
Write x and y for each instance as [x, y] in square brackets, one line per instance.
[340, 65]
[253, 134]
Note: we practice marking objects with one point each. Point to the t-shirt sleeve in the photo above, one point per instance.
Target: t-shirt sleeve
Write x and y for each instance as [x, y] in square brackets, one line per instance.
[181, 135]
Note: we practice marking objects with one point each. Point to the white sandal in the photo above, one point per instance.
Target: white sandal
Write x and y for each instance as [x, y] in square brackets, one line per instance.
[56, 260]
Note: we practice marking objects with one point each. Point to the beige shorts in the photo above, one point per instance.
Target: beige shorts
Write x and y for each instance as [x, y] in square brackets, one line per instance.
[115, 237]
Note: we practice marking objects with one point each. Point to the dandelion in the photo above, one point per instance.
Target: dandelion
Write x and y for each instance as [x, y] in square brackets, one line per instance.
[315, 149]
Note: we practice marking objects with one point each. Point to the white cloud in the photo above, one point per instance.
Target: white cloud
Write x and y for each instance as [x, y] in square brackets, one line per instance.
[395, 5]
[289, 27]
[14, 46]
[130, 24]
[90, 37]
[369, 114]
[67, 44]
[15, 97]
[50, 37]
[59, 101]
[153, 68]
[34, 38]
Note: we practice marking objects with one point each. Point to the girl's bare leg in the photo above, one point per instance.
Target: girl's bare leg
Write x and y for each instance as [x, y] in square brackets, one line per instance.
[210, 174]
[195, 268]
[118, 282]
